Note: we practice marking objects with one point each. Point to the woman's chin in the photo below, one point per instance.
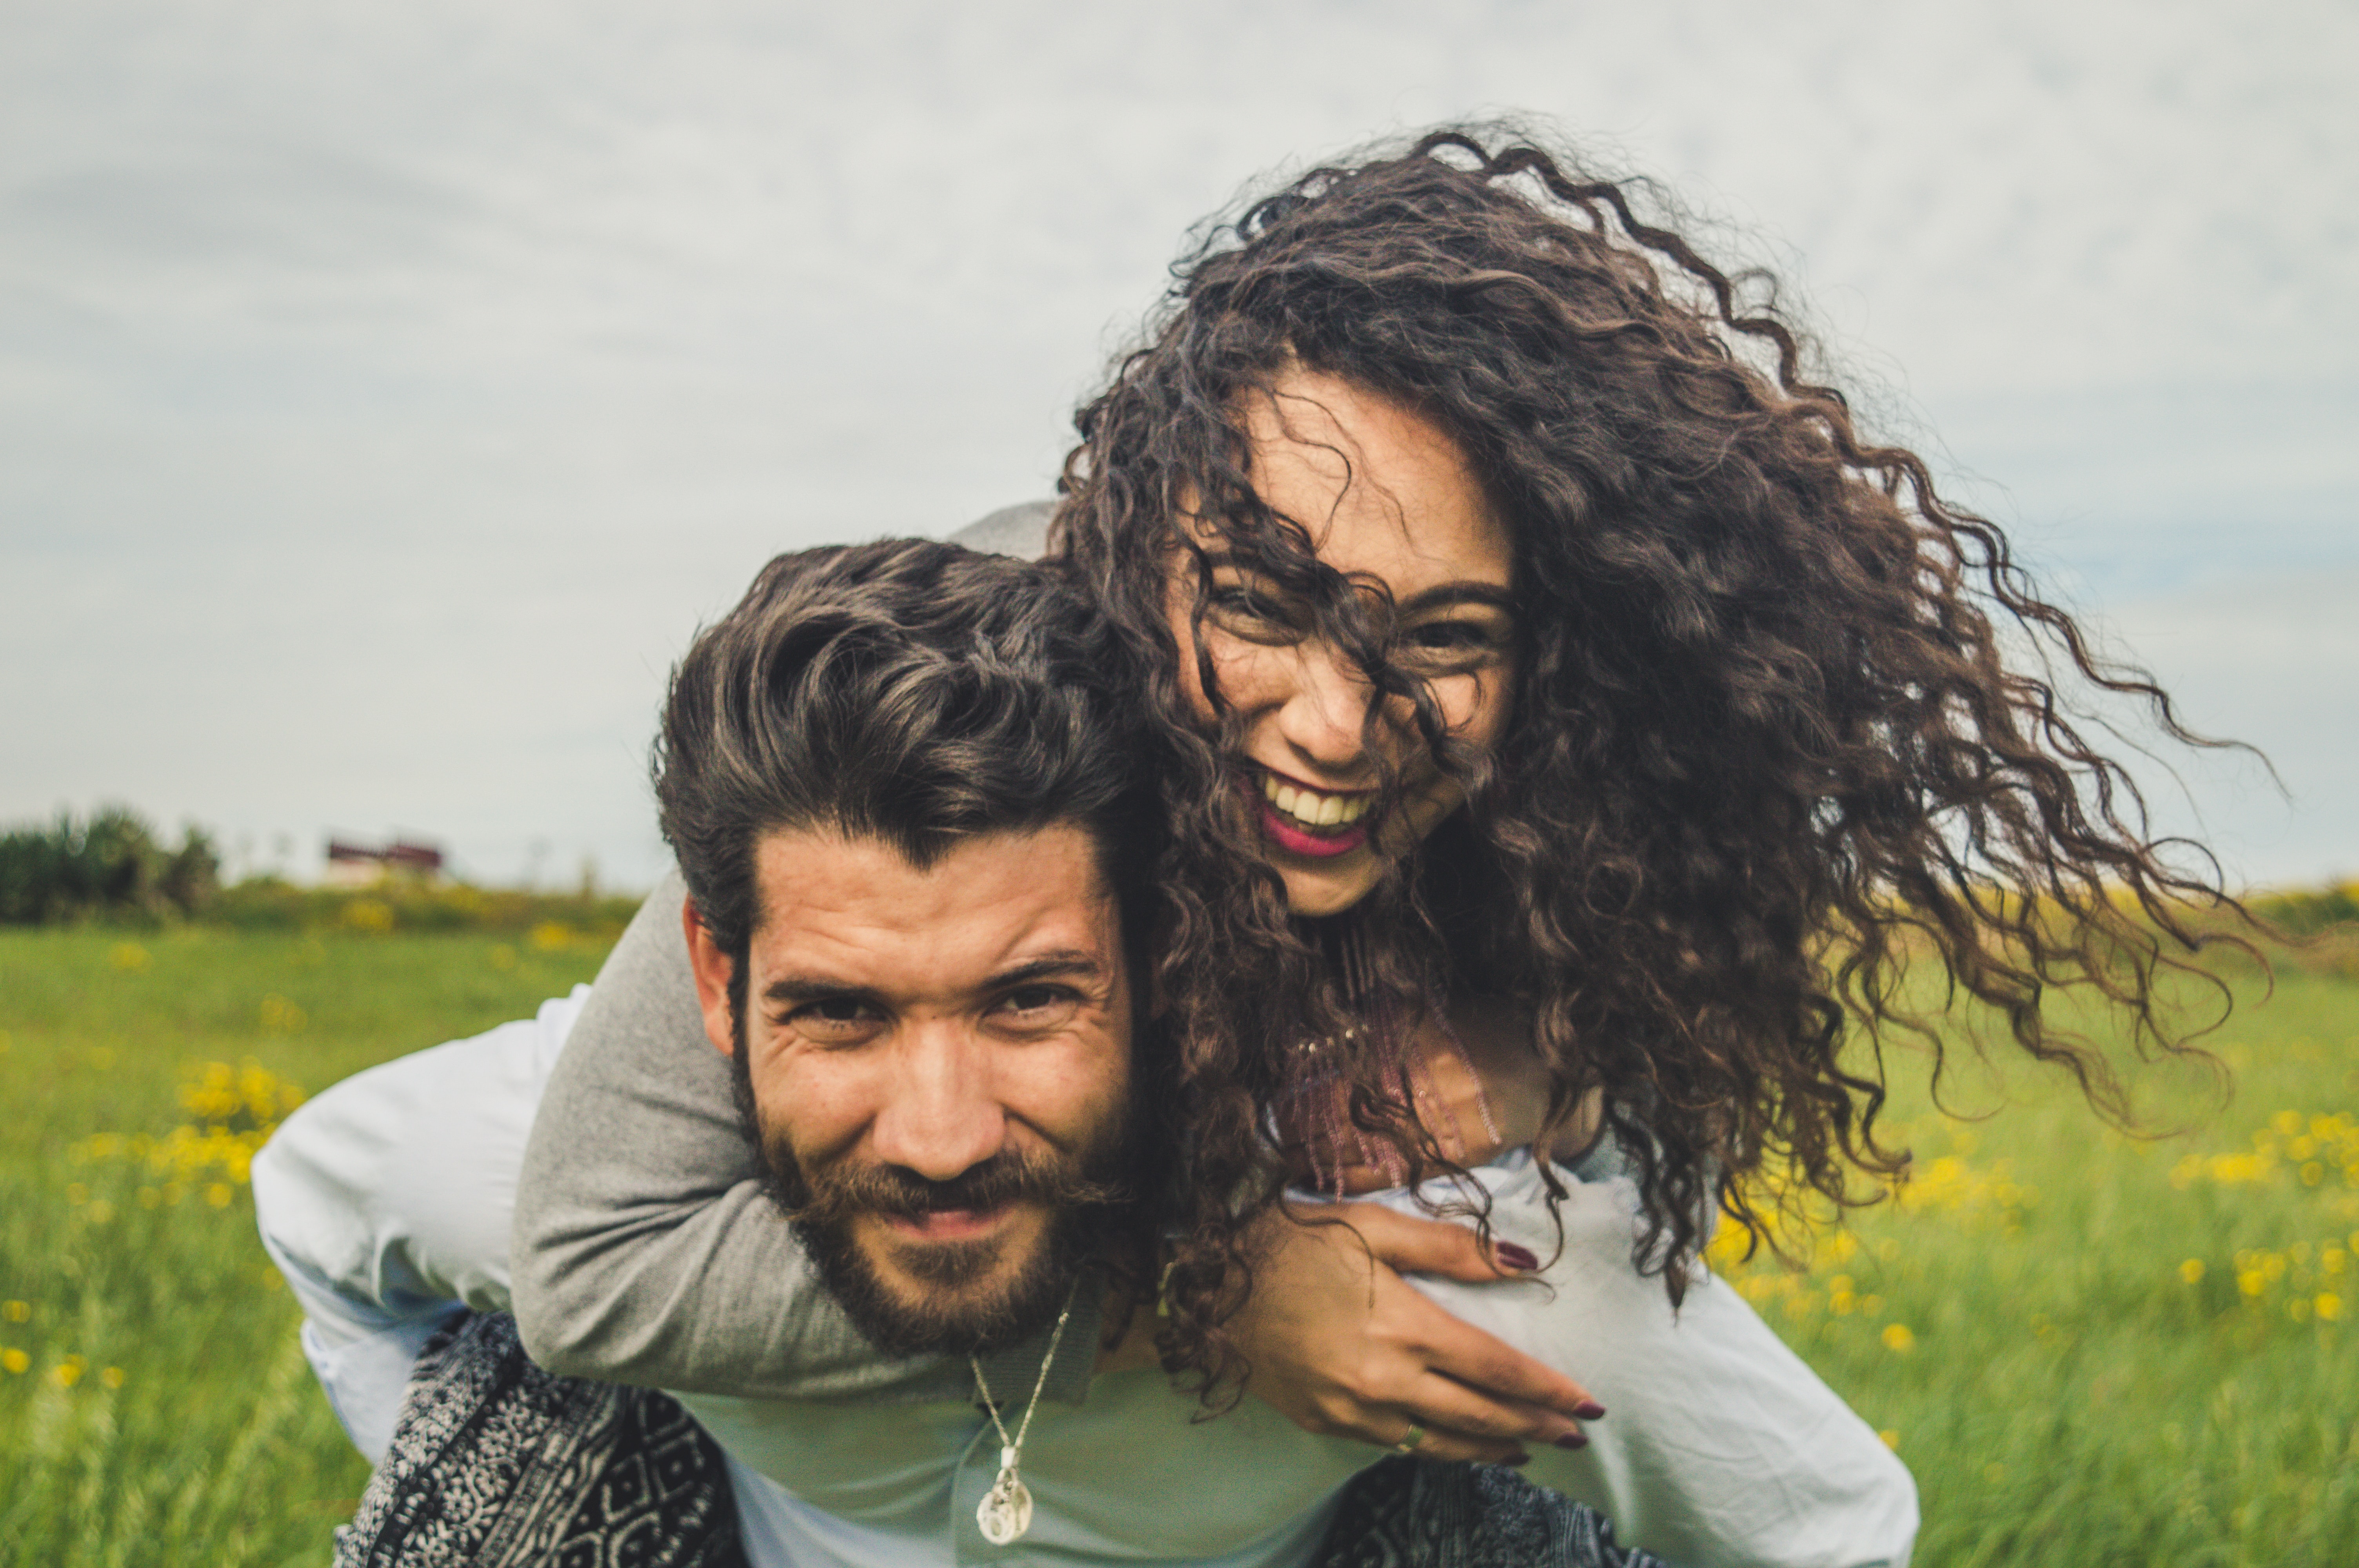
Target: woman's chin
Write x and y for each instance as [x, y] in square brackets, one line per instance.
[1319, 885]
[1316, 888]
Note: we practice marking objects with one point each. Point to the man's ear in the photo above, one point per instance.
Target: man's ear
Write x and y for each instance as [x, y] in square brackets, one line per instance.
[714, 969]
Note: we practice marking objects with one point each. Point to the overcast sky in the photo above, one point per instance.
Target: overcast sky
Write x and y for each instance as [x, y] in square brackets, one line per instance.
[387, 391]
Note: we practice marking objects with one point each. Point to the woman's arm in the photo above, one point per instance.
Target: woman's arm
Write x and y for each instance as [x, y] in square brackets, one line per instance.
[646, 1250]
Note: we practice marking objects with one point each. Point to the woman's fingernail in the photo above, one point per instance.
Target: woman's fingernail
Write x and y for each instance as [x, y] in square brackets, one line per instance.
[1589, 1410]
[1517, 1460]
[1572, 1440]
[1521, 1260]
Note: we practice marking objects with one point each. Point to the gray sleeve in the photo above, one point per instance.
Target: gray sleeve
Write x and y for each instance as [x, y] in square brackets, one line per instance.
[1019, 530]
[645, 1249]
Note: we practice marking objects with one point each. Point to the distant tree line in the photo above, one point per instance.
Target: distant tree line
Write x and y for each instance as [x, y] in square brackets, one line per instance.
[113, 868]
[110, 865]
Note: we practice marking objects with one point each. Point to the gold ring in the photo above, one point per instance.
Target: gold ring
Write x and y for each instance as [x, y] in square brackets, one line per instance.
[1408, 1445]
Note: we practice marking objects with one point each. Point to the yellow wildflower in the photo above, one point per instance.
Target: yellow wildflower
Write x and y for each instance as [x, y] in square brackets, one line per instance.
[370, 916]
[2192, 1270]
[280, 1016]
[1897, 1337]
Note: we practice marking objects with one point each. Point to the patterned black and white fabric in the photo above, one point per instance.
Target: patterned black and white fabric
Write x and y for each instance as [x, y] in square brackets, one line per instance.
[497, 1464]
[1416, 1513]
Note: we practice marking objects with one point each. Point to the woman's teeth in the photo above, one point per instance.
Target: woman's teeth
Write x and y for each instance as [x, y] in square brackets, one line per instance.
[1311, 808]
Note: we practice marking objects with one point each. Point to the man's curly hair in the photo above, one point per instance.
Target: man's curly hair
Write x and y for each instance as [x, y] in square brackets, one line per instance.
[1781, 721]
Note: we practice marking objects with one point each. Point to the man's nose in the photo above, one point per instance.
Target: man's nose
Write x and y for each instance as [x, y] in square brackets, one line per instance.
[941, 1117]
[1324, 717]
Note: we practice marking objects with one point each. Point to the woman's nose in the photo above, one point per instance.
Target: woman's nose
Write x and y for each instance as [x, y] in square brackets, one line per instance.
[1324, 717]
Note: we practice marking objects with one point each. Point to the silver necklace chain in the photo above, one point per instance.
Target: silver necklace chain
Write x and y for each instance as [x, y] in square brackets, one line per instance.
[1006, 1511]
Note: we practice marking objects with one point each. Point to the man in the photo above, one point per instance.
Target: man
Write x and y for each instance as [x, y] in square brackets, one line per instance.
[908, 797]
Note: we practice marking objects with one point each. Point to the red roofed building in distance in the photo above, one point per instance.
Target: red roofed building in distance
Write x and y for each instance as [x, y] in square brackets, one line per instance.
[357, 865]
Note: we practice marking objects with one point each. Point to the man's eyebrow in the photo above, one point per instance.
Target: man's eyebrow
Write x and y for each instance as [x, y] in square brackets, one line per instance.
[1073, 963]
[1068, 963]
[814, 988]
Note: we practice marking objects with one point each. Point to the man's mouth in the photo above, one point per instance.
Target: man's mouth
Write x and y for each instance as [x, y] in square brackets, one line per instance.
[1316, 823]
[948, 1224]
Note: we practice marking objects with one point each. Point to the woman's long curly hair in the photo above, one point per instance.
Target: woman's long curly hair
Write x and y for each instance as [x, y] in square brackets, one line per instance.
[1773, 731]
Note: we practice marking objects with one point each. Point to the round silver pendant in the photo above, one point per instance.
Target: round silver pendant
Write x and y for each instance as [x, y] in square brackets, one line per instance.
[1006, 1511]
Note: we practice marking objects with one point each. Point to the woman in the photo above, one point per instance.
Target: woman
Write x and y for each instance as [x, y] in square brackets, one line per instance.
[1581, 725]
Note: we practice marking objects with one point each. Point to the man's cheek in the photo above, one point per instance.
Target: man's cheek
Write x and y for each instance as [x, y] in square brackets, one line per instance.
[813, 1111]
[1076, 1085]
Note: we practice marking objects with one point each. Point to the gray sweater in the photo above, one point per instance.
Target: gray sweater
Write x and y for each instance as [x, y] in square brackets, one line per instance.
[645, 1249]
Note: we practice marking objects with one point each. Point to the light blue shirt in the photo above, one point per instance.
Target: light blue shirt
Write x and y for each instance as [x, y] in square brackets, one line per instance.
[387, 1201]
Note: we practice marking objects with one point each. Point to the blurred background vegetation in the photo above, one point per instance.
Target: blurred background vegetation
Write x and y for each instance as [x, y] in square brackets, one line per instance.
[113, 868]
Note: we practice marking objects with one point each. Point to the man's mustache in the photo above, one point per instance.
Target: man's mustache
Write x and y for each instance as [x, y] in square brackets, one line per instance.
[838, 1192]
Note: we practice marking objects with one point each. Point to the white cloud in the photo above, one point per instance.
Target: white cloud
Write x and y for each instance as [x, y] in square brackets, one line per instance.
[442, 362]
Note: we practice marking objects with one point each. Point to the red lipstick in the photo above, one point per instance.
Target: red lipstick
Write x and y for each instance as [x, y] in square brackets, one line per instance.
[1296, 839]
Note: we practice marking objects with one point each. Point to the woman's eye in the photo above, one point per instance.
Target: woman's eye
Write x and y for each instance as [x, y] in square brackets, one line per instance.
[1448, 641]
[1251, 612]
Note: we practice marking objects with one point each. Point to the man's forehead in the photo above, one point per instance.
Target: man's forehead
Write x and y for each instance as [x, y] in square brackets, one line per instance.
[856, 902]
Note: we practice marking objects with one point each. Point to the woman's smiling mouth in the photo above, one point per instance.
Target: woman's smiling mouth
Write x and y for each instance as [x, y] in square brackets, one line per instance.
[1316, 823]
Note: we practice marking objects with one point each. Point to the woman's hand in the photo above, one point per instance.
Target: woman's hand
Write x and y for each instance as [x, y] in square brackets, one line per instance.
[1342, 1345]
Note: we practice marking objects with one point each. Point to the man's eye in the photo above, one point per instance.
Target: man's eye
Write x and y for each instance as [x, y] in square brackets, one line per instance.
[835, 1017]
[1037, 1006]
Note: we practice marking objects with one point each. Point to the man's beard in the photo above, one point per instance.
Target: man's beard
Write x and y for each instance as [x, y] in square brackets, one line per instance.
[958, 1306]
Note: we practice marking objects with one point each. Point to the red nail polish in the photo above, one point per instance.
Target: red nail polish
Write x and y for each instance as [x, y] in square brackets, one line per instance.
[1521, 1260]
[1572, 1440]
[1589, 1410]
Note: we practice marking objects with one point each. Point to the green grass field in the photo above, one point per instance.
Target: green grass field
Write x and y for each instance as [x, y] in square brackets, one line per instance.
[2090, 1349]
[155, 1407]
